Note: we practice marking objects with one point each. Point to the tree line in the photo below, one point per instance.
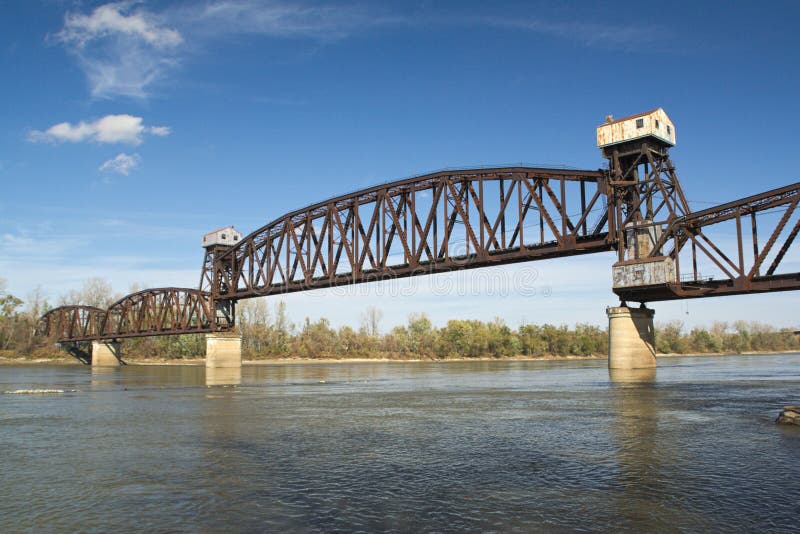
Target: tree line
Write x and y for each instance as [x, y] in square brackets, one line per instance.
[267, 332]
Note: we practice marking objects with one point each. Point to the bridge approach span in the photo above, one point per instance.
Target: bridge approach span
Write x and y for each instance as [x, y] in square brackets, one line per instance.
[152, 312]
[72, 323]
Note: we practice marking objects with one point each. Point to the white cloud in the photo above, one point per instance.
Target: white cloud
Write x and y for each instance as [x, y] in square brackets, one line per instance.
[121, 164]
[126, 49]
[110, 19]
[122, 50]
[161, 131]
[109, 129]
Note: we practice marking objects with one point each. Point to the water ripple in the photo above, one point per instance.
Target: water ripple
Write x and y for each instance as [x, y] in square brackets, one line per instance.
[505, 447]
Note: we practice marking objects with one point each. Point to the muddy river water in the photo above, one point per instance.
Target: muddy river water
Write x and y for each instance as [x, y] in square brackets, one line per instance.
[405, 447]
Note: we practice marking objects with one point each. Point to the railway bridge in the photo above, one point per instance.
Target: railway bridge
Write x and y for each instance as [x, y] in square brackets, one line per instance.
[472, 218]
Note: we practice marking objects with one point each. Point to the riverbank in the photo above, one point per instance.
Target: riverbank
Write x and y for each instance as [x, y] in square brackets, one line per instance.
[68, 360]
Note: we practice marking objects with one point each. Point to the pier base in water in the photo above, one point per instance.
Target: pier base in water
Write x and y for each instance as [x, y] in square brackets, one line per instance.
[223, 350]
[631, 338]
[105, 353]
[223, 376]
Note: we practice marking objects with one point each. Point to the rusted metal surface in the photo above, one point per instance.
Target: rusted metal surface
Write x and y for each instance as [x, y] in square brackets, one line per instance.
[434, 223]
[152, 312]
[470, 218]
[736, 273]
[164, 311]
[655, 225]
[68, 323]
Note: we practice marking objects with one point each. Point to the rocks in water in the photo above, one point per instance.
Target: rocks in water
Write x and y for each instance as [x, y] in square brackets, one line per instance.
[789, 416]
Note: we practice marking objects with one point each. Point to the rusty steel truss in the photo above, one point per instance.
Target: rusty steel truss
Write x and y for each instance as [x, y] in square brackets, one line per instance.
[480, 217]
[655, 225]
[72, 323]
[152, 312]
[434, 223]
[471, 218]
[737, 273]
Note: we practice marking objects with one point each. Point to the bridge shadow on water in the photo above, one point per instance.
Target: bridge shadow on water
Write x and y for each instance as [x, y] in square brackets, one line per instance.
[80, 351]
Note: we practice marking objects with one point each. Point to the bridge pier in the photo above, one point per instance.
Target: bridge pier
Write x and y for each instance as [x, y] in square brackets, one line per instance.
[105, 352]
[631, 338]
[223, 350]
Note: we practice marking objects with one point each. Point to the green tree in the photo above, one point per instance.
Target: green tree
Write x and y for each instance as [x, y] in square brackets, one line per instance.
[10, 321]
[421, 335]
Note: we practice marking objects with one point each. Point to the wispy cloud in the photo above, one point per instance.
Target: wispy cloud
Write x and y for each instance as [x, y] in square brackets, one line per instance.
[25, 246]
[123, 49]
[112, 19]
[587, 33]
[121, 164]
[109, 129]
[286, 19]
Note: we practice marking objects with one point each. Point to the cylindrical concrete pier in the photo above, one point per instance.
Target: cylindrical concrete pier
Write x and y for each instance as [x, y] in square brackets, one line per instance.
[223, 350]
[105, 352]
[631, 338]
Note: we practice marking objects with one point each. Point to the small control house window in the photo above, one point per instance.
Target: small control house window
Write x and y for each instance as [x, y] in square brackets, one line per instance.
[669, 130]
[236, 238]
[657, 125]
[640, 123]
[224, 236]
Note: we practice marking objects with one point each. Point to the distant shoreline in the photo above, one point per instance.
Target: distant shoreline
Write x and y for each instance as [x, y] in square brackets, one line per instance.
[290, 361]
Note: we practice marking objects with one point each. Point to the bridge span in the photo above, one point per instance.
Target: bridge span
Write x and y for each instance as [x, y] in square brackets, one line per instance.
[471, 218]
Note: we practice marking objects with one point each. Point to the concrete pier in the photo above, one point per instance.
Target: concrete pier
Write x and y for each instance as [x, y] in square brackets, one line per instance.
[631, 338]
[105, 353]
[223, 350]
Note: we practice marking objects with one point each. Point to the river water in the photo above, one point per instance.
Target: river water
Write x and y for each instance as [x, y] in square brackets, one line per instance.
[406, 447]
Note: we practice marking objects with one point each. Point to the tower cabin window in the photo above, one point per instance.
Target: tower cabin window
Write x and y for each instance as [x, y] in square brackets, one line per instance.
[224, 236]
[669, 130]
[236, 238]
[640, 123]
[657, 125]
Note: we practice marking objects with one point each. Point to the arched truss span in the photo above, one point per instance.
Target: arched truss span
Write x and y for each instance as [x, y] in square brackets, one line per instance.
[152, 312]
[433, 223]
[164, 311]
[72, 323]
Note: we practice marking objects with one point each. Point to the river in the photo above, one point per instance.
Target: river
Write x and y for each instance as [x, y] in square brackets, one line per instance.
[405, 447]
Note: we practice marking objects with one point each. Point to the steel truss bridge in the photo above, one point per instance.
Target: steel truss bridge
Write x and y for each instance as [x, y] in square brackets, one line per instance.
[472, 218]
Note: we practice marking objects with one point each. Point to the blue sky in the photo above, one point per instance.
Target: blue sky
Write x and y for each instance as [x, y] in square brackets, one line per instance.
[130, 129]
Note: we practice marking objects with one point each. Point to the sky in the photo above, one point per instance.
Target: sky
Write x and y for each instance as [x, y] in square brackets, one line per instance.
[130, 129]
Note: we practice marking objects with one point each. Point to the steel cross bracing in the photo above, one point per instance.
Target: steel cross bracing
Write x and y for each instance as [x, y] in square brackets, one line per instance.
[428, 224]
[472, 218]
[152, 312]
[67, 323]
[736, 272]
